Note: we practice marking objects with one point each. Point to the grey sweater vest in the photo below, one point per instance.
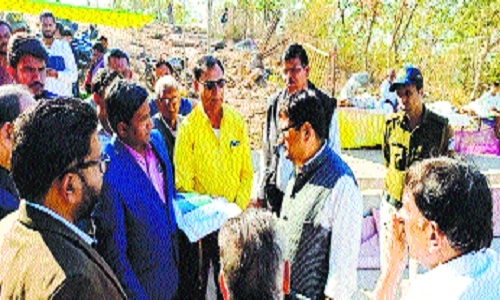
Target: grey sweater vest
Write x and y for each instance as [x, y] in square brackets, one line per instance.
[307, 242]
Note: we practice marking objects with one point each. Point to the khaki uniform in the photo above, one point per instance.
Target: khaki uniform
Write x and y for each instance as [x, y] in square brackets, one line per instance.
[403, 146]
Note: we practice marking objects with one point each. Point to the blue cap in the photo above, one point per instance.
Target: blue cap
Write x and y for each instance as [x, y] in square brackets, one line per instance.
[407, 76]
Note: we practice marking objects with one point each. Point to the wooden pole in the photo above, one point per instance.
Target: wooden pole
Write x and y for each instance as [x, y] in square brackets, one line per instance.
[209, 27]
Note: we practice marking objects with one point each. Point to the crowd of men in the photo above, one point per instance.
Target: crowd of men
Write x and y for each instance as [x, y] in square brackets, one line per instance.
[87, 187]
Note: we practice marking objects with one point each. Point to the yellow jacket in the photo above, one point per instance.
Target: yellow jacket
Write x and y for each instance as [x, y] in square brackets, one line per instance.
[215, 166]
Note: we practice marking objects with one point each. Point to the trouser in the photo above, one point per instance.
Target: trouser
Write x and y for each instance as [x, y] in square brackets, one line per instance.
[386, 211]
[194, 266]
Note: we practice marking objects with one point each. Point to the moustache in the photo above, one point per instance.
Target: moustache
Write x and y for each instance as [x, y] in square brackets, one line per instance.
[48, 34]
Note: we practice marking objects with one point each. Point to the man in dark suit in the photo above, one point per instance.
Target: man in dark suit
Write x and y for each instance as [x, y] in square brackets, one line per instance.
[14, 99]
[57, 167]
[168, 119]
[135, 222]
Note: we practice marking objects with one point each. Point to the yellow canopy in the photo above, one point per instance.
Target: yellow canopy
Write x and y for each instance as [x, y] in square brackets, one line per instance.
[107, 17]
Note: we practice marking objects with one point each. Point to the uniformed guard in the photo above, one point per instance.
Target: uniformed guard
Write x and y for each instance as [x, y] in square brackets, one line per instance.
[410, 135]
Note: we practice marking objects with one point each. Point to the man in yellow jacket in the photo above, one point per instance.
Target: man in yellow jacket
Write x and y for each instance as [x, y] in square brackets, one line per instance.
[211, 156]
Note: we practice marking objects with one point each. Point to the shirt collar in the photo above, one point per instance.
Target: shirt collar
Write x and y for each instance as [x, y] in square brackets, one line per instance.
[136, 154]
[314, 161]
[172, 130]
[425, 118]
[68, 224]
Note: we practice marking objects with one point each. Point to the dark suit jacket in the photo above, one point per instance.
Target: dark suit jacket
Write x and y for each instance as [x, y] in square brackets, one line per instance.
[167, 135]
[9, 198]
[135, 230]
[42, 258]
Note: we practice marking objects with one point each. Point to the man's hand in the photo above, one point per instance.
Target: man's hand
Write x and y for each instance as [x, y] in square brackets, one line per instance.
[397, 250]
[398, 247]
[256, 203]
[52, 73]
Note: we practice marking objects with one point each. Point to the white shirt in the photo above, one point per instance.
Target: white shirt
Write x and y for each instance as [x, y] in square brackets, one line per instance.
[349, 89]
[63, 85]
[343, 214]
[483, 105]
[474, 275]
[387, 95]
[286, 167]
[56, 216]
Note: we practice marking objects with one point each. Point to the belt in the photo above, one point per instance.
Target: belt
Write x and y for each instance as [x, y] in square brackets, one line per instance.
[392, 201]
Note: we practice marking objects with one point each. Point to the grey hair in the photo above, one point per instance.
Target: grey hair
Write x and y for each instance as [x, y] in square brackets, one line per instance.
[14, 100]
[251, 255]
[165, 83]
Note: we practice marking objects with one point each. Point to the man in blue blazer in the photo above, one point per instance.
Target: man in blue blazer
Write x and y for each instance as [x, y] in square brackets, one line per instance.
[135, 222]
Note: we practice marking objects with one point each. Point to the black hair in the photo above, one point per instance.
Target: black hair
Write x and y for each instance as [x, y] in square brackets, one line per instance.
[66, 32]
[116, 53]
[166, 63]
[10, 102]
[21, 44]
[98, 46]
[60, 27]
[47, 140]
[304, 106]
[103, 79]
[456, 196]
[296, 51]
[123, 100]
[47, 14]
[204, 63]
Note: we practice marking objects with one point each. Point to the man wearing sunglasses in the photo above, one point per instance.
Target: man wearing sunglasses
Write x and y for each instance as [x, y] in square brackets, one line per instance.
[58, 169]
[278, 169]
[212, 156]
[410, 135]
[322, 203]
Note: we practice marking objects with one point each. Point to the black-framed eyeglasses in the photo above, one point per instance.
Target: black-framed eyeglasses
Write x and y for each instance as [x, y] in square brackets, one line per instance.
[210, 85]
[169, 100]
[282, 131]
[102, 162]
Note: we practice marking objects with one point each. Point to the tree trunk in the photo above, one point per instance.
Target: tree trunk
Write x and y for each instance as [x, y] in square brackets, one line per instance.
[370, 31]
[209, 28]
[398, 20]
[488, 45]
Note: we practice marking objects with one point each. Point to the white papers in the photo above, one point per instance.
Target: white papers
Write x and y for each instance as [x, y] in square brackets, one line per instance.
[199, 215]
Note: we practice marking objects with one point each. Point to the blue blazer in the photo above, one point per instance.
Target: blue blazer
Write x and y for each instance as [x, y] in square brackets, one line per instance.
[135, 230]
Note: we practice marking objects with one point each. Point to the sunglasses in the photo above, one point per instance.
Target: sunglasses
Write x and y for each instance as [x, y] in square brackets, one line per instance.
[210, 85]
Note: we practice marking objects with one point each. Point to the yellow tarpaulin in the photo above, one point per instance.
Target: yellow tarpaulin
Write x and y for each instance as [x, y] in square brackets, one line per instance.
[360, 127]
[107, 17]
